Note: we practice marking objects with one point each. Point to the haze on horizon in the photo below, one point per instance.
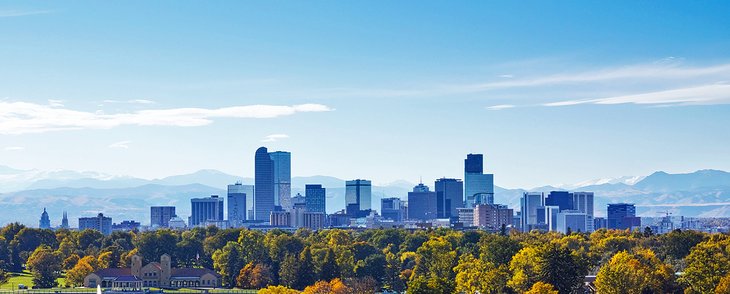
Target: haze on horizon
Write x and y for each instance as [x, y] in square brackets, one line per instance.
[549, 92]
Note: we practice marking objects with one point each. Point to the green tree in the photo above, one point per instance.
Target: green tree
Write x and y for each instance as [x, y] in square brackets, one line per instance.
[289, 271]
[330, 269]
[549, 263]
[707, 263]
[45, 264]
[227, 261]
[307, 273]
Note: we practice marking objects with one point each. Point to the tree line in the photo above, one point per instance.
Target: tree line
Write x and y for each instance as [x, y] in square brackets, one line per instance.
[416, 261]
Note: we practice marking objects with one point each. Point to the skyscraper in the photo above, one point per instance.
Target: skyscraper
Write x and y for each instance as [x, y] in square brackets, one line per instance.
[282, 179]
[574, 221]
[64, 221]
[392, 209]
[100, 223]
[206, 209]
[264, 185]
[236, 204]
[583, 202]
[160, 216]
[45, 222]
[478, 187]
[622, 216]
[315, 198]
[449, 193]
[422, 204]
[529, 204]
[561, 199]
[358, 195]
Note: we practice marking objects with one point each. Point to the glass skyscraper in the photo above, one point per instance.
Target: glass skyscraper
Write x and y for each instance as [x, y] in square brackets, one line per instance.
[315, 198]
[264, 185]
[448, 197]
[358, 197]
[422, 204]
[478, 187]
[529, 204]
[622, 216]
[282, 179]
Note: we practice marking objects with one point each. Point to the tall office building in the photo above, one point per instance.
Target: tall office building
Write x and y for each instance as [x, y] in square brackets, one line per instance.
[160, 216]
[100, 223]
[529, 204]
[449, 193]
[478, 187]
[562, 199]
[64, 221]
[358, 195]
[209, 209]
[574, 221]
[583, 202]
[264, 185]
[422, 204]
[282, 179]
[45, 222]
[315, 198]
[249, 190]
[236, 204]
[548, 216]
[622, 216]
[392, 208]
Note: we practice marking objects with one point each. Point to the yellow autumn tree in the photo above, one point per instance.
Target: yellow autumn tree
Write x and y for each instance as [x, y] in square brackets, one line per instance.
[278, 290]
[542, 288]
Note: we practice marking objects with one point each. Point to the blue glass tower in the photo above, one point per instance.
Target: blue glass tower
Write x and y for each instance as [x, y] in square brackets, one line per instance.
[264, 184]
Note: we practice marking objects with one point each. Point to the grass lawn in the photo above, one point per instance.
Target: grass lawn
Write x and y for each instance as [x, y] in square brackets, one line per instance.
[25, 278]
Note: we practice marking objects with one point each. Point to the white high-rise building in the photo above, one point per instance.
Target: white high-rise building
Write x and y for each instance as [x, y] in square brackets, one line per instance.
[529, 204]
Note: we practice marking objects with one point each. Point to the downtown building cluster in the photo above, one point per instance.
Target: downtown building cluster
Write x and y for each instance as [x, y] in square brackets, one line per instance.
[452, 202]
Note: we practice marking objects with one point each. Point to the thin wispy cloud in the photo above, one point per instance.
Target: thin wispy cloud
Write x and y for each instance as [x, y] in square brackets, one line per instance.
[16, 13]
[500, 107]
[120, 145]
[14, 148]
[275, 137]
[700, 95]
[25, 117]
[132, 101]
[653, 71]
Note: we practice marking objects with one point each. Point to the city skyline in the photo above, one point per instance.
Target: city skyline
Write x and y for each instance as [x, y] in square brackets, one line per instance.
[605, 98]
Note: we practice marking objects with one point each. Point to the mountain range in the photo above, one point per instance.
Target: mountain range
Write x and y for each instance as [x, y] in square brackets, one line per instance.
[704, 193]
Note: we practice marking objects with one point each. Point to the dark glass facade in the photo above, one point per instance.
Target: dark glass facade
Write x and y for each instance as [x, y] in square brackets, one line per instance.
[264, 183]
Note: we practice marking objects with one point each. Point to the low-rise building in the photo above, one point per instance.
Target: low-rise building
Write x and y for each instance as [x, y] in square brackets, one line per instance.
[154, 274]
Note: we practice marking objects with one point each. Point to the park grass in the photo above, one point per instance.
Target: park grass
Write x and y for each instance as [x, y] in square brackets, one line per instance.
[25, 278]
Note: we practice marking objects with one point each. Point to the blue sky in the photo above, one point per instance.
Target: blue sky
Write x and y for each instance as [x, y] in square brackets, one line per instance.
[550, 91]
